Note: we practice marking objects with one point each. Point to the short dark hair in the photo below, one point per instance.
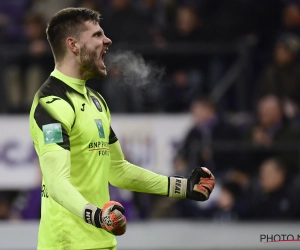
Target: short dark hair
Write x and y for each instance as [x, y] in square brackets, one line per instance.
[68, 22]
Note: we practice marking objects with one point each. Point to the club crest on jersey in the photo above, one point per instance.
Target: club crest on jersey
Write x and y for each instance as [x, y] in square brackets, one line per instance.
[97, 103]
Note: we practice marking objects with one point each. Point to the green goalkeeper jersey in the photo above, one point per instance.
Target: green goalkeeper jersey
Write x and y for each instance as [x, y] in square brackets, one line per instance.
[79, 155]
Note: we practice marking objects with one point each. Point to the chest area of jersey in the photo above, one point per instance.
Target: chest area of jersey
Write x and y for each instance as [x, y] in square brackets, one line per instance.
[91, 127]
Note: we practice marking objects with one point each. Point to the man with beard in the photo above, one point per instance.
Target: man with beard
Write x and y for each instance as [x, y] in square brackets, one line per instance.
[79, 152]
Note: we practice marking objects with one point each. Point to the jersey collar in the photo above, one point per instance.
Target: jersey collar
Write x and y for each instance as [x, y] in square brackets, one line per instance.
[74, 83]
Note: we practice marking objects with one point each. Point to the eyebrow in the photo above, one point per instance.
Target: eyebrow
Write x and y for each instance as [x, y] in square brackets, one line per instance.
[99, 32]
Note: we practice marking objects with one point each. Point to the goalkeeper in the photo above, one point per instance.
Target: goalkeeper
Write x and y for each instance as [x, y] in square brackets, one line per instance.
[78, 150]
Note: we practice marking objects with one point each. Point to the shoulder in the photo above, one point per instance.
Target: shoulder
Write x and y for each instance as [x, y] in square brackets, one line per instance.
[53, 90]
[52, 103]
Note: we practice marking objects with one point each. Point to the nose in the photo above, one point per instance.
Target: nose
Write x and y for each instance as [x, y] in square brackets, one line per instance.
[107, 41]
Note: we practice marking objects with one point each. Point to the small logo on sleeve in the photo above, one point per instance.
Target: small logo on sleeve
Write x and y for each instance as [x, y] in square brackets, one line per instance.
[53, 100]
[97, 103]
[52, 133]
[100, 128]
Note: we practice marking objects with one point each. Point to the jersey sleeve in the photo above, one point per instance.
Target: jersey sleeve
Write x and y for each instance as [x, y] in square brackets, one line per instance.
[56, 173]
[131, 177]
[54, 118]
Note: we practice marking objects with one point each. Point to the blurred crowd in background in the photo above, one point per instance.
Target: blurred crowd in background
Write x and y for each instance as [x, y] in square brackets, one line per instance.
[233, 65]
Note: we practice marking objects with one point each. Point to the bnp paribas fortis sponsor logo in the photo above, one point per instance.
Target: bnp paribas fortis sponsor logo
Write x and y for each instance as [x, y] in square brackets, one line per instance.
[101, 147]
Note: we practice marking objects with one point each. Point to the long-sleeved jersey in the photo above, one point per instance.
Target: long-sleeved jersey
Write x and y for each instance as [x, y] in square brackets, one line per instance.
[79, 156]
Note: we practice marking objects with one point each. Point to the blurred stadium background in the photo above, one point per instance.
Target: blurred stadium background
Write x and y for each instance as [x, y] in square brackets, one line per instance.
[228, 100]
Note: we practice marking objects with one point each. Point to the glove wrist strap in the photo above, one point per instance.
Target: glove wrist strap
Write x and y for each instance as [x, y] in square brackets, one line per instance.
[177, 187]
[91, 215]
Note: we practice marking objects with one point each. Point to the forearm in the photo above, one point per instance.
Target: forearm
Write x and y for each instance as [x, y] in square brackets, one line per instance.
[57, 180]
[128, 176]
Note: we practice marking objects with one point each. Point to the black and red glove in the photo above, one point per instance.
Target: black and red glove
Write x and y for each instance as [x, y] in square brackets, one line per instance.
[198, 186]
[110, 218]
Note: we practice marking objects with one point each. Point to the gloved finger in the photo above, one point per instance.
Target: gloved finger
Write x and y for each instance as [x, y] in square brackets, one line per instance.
[205, 172]
[208, 186]
[117, 218]
[120, 226]
[201, 189]
[195, 174]
[123, 221]
[207, 181]
[119, 208]
[120, 230]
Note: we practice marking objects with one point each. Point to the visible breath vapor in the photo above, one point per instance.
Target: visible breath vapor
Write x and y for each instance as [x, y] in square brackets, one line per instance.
[133, 69]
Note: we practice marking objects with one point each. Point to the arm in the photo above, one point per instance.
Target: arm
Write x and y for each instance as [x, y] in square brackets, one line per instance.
[198, 186]
[56, 172]
[128, 176]
[53, 147]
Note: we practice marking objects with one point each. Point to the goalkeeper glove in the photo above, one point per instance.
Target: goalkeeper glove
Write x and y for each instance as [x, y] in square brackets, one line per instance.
[198, 186]
[110, 217]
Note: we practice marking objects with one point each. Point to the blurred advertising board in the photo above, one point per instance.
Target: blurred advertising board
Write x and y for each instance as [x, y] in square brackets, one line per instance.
[19, 166]
[149, 141]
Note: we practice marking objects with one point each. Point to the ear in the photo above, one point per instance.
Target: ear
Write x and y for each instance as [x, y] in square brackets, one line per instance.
[72, 45]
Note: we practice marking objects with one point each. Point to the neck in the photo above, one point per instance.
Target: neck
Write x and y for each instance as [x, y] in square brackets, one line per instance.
[69, 69]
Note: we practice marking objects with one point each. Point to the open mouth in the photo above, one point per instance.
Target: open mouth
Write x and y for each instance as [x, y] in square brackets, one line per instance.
[102, 56]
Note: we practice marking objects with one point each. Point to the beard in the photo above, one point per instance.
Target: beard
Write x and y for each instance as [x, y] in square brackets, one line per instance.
[89, 67]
